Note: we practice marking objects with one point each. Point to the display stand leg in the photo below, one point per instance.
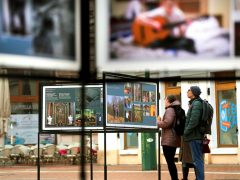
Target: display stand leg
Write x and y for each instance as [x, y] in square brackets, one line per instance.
[91, 159]
[38, 158]
[105, 156]
[82, 174]
[159, 158]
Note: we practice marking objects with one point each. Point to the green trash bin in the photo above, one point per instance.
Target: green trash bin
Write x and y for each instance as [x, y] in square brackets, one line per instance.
[149, 157]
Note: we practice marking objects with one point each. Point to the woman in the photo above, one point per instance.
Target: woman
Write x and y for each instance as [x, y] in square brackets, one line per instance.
[170, 140]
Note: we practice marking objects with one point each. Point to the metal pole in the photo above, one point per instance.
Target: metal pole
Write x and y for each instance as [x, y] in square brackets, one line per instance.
[159, 158]
[104, 131]
[38, 159]
[105, 155]
[82, 174]
[91, 159]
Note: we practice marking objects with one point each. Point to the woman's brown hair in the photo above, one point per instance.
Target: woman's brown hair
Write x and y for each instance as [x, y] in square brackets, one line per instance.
[171, 98]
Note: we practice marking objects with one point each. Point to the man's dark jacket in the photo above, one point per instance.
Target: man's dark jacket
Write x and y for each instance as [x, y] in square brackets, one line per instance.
[192, 125]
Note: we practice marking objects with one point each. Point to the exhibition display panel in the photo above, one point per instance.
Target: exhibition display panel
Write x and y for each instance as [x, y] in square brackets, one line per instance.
[131, 104]
[62, 107]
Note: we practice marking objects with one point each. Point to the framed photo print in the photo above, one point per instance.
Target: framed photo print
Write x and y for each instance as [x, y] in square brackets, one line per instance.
[40, 34]
[131, 104]
[62, 107]
[143, 35]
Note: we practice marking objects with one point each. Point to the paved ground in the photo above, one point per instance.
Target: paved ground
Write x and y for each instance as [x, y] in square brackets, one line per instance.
[122, 172]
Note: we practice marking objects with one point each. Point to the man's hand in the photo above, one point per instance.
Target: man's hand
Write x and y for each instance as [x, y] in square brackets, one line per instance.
[156, 25]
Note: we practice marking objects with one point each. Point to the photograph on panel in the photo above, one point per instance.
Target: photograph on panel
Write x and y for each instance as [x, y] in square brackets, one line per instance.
[63, 107]
[143, 29]
[131, 104]
[93, 107]
[115, 109]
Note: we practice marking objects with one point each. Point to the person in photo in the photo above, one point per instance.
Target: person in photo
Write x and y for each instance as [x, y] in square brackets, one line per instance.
[134, 8]
[168, 13]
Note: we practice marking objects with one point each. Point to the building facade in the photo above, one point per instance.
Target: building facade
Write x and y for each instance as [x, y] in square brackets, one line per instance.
[125, 148]
[223, 95]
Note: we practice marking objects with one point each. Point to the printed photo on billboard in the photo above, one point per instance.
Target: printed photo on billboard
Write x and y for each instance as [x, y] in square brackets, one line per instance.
[40, 34]
[164, 35]
[23, 130]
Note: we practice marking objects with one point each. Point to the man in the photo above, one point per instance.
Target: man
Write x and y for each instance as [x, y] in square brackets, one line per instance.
[192, 133]
[114, 110]
[171, 38]
[169, 10]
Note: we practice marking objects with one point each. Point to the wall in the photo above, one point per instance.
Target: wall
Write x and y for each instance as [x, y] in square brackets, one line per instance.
[119, 9]
[222, 7]
[67, 139]
[112, 148]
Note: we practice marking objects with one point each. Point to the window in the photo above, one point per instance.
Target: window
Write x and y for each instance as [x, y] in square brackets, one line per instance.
[24, 96]
[128, 141]
[173, 88]
[226, 114]
[131, 140]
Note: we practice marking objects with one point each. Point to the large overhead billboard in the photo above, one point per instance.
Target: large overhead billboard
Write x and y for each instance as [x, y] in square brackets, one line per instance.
[40, 34]
[134, 43]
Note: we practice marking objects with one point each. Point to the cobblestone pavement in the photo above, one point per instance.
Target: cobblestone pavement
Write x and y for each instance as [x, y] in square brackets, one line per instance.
[114, 172]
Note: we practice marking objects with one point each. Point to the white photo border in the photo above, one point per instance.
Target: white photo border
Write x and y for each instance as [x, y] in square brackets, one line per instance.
[45, 63]
[104, 63]
[112, 125]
